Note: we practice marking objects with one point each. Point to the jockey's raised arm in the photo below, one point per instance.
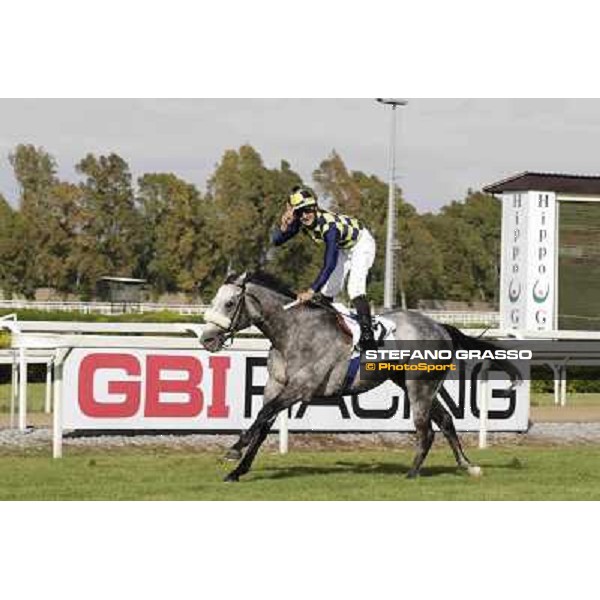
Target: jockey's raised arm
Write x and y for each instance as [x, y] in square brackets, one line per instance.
[281, 236]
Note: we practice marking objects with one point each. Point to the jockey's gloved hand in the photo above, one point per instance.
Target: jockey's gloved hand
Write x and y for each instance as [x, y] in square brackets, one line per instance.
[287, 219]
[307, 296]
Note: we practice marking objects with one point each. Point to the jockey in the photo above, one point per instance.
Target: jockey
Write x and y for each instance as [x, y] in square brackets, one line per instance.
[349, 252]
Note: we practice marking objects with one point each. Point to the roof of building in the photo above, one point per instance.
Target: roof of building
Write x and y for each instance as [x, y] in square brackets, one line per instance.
[547, 182]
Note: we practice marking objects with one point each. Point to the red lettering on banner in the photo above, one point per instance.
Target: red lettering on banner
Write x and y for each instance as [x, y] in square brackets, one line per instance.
[219, 366]
[131, 389]
[155, 386]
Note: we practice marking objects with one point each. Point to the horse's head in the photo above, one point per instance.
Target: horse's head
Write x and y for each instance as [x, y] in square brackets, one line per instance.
[227, 314]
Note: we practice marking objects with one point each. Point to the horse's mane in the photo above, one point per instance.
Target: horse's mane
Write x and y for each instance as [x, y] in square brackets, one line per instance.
[271, 282]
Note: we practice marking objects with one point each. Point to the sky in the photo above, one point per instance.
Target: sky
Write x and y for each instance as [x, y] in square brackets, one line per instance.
[445, 146]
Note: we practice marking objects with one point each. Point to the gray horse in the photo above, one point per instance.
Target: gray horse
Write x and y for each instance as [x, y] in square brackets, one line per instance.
[309, 360]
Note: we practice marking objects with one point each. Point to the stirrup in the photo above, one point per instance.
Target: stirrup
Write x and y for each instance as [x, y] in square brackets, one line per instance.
[367, 342]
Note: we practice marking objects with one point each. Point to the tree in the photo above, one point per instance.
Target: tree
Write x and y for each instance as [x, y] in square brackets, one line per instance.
[338, 186]
[420, 262]
[239, 192]
[247, 201]
[469, 236]
[35, 171]
[59, 250]
[67, 237]
[178, 250]
[47, 224]
[8, 250]
[110, 236]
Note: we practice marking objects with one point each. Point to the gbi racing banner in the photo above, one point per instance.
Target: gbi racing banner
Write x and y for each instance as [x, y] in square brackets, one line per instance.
[146, 389]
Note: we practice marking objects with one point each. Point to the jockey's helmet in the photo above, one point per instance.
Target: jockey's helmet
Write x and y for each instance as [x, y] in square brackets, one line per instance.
[302, 199]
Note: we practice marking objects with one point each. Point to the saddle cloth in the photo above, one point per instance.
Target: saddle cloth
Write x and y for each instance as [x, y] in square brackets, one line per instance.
[383, 328]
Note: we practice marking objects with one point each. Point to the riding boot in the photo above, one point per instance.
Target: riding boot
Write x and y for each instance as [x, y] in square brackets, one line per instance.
[363, 309]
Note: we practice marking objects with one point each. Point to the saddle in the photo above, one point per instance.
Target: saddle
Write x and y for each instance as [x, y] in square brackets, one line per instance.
[383, 329]
[344, 327]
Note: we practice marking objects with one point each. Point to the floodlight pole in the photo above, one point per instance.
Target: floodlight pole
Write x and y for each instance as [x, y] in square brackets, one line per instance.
[392, 245]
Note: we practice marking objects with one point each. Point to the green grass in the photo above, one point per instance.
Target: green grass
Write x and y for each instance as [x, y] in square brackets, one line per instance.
[509, 474]
[36, 397]
[5, 339]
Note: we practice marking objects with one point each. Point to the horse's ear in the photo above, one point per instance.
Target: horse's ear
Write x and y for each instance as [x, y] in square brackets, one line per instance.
[231, 278]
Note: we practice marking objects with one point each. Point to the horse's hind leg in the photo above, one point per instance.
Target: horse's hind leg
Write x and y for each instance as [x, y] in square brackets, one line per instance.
[443, 419]
[420, 395]
[425, 437]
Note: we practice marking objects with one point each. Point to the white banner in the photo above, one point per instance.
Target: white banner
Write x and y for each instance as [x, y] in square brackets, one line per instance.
[146, 389]
[513, 282]
[541, 262]
[529, 254]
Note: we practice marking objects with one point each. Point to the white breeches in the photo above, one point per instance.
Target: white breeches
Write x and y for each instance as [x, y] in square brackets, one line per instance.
[355, 265]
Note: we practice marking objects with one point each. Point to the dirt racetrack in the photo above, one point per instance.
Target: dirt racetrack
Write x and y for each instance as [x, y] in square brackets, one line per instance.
[567, 414]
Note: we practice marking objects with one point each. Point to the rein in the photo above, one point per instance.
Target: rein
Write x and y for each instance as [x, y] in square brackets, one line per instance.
[229, 326]
[230, 333]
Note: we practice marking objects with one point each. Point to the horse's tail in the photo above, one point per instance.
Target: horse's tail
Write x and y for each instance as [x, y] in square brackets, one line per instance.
[465, 342]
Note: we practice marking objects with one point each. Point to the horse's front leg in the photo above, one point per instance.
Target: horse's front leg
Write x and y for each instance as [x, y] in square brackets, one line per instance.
[300, 389]
[273, 389]
[257, 434]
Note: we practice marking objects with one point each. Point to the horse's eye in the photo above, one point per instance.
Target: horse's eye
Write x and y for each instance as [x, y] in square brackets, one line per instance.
[229, 305]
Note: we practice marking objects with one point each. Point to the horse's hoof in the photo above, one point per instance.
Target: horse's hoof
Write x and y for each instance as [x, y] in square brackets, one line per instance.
[475, 471]
[232, 478]
[413, 475]
[233, 455]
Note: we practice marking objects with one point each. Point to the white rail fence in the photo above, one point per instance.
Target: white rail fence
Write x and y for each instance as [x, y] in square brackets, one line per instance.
[458, 318]
[102, 308]
[44, 342]
[466, 319]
